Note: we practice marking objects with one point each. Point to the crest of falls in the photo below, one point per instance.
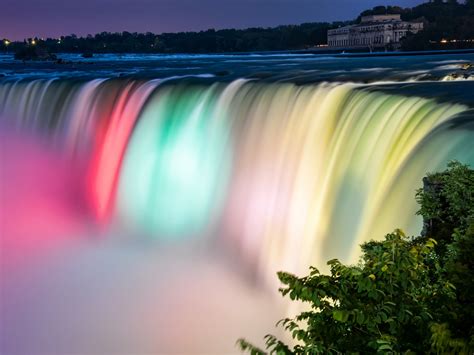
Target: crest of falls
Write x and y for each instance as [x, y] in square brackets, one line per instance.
[283, 176]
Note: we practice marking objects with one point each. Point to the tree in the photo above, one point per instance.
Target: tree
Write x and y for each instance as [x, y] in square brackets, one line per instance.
[451, 20]
[383, 304]
[447, 207]
[447, 203]
[406, 294]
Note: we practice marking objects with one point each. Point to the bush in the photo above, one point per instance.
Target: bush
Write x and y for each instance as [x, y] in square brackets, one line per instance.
[406, 295]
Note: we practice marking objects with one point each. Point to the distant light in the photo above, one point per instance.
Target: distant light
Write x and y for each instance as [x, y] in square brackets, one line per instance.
[33, 42]
[444, 41]
[6, 42]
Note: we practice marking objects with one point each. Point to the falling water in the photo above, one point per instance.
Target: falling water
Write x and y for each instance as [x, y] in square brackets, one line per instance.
[138, 208]
[284, 175]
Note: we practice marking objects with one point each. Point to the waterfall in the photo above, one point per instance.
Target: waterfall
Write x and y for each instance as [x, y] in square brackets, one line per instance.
[282, 175]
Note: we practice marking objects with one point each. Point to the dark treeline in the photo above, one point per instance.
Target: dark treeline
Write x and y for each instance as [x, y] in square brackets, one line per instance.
[448, 25]
[211, 41]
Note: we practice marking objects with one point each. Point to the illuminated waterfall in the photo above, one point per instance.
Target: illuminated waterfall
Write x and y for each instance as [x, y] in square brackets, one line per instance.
[283, 175]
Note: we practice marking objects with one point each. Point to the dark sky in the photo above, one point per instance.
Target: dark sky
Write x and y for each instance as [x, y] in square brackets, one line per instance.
[52, 18]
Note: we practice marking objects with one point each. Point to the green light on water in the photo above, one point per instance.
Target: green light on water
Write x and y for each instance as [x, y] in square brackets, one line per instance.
[176, 167]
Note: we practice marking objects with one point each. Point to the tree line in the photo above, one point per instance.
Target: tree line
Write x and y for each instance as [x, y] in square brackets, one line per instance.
[448, 25]
[291, 37]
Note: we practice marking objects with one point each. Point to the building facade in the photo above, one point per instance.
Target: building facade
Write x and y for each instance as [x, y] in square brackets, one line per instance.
[376, 31]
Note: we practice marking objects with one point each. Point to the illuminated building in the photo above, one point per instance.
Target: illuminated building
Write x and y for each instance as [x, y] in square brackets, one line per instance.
[375, 31]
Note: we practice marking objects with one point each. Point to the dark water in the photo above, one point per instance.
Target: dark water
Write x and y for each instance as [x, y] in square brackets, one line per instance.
[301, 68]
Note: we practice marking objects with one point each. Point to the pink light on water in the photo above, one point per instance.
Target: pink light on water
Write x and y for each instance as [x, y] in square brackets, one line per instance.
[40, 199]
[110, 148]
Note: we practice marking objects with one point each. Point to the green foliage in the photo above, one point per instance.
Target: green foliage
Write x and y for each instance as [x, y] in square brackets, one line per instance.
[405, 296]
[459, 267]
[383, 304]
[447, 203]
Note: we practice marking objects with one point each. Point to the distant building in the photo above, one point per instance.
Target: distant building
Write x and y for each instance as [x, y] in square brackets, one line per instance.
[375, 31]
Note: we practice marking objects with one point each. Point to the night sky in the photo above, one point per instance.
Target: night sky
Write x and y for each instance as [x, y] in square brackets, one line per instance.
[51, 18]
